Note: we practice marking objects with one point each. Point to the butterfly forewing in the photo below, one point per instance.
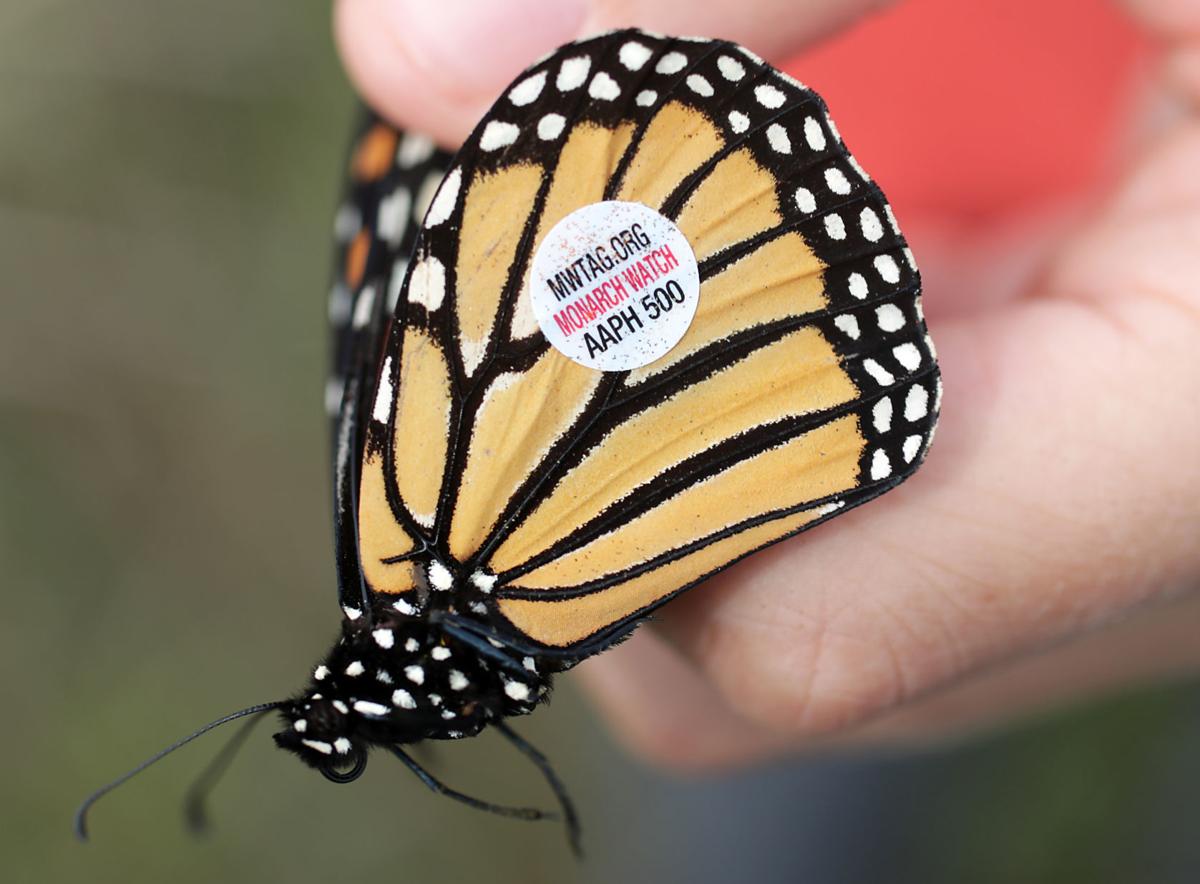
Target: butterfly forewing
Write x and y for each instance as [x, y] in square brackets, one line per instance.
[559, 503]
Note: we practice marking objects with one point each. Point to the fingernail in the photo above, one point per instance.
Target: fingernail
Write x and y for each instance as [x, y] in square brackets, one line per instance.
[476, 46]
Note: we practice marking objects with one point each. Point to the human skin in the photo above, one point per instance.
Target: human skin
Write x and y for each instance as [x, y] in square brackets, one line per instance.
[1047, 550]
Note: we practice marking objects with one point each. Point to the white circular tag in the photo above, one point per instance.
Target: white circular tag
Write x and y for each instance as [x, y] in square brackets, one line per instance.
[614, 285]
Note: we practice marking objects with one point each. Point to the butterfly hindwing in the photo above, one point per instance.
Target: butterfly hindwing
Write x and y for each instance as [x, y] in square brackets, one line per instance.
[389, 175]
[557, 503]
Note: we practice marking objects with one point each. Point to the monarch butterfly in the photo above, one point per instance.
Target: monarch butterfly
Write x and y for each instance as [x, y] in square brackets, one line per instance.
[509, 501]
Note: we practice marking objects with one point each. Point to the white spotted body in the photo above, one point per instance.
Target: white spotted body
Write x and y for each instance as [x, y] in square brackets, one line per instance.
[419, 685]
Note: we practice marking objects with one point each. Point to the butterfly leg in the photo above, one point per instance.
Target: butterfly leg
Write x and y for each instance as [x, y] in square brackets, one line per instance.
[523, 813]
[560, 791]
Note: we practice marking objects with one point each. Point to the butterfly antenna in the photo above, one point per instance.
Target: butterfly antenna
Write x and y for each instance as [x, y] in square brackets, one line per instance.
[560, 792]
[195, 803]
[81, 814]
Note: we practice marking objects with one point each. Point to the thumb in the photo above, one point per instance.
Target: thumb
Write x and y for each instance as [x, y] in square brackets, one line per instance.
[436, 66]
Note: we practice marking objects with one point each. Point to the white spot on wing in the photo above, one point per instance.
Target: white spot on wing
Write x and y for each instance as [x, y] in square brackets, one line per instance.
[881, 467]
[443, 203]
[858, 285]
[738, 122]
[363, 306]
[381, 412]
[778, 138]
[907, 355]
[342, 745]
[603, 87]
[497, 135]
[414, 148]
[769, 96]
[527, 91]
[384, 638]
[415, 674]
[814, 134]
[912, 446]
[872, 227]
[731, 69]
[836, 180]
[572, 73]
[457, 680]
[700, 85]
[890, 317]
[886, 267]
[441, 652]
[848, 325]
[440, 577]
[916, 403]
[805, 201]
[881, 415]
[671, 63]
[835, 227]
[321, 672]
[550, 126]
[319, 746]
[355, 669]
[878, 372]
[646, 97]
[427, 283]
[403, 699]
[351, 613]
[633, 55]
[392, 217]
[483, 581]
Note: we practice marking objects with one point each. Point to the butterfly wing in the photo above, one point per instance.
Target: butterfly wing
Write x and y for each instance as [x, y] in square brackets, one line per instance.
[559, 504]
[391, 177]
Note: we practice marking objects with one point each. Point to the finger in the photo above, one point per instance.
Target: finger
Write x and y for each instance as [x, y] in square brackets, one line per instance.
[665, 711]
[436, 67]
[1174, 19]
[1059, 495]
[1154, 645]
[1177, 22]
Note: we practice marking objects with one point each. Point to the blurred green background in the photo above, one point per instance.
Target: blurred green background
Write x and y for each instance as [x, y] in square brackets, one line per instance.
[167, 177]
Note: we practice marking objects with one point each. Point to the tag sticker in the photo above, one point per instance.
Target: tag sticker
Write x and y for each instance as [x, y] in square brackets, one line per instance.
[614, 285]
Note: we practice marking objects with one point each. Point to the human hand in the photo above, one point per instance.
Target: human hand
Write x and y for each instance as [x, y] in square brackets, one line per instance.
[1060, 502]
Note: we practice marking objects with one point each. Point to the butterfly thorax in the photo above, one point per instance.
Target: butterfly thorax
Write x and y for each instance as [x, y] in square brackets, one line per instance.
[397, 680]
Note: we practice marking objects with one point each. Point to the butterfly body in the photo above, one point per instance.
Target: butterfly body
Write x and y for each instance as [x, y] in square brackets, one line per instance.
[401, 679]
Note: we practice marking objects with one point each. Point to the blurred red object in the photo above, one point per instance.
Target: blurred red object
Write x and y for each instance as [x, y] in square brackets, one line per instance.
[978, 109]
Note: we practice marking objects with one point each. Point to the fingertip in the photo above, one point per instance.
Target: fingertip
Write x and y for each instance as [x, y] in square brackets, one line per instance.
[436, 67]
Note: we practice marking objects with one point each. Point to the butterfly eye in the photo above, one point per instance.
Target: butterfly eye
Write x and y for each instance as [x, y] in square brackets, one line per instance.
[346, 769]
